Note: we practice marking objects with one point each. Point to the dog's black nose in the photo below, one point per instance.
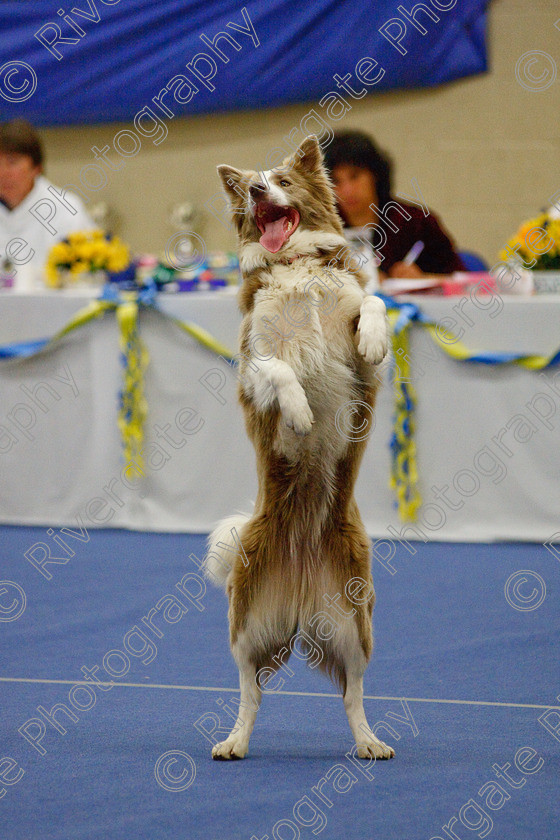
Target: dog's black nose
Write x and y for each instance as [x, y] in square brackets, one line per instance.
[257, 191]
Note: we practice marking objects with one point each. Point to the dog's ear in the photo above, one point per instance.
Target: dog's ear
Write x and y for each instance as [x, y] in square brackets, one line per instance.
[235, 184]
[309, 156]
[231, 178]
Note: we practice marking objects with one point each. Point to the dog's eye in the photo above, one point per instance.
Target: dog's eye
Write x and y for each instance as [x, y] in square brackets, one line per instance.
[285, 183]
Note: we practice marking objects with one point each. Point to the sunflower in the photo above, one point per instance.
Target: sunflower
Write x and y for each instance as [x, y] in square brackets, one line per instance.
[537, 242]
[86, 251]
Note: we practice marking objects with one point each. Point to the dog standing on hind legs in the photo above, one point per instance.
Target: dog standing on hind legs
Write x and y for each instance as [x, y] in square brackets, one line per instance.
[310, 343]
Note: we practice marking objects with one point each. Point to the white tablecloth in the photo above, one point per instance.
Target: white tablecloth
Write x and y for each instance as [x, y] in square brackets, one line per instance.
[487, 437]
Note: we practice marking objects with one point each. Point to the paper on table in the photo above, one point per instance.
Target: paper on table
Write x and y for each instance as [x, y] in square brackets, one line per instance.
[402, 285]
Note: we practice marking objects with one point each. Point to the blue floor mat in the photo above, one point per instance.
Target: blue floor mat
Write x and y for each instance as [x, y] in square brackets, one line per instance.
[464, 670]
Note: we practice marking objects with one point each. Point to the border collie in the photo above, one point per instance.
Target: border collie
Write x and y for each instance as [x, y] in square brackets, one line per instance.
[298, 569]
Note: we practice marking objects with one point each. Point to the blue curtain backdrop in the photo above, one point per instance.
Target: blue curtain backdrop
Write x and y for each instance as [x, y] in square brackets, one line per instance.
[89, 61]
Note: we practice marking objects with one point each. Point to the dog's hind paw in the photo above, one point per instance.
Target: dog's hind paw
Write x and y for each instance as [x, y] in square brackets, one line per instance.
[229, 750]
[375, 749]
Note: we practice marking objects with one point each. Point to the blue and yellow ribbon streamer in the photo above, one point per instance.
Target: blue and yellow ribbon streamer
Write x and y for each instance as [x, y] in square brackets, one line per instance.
[404, 470]
[135, 358]
[25, 349]
[133, 408]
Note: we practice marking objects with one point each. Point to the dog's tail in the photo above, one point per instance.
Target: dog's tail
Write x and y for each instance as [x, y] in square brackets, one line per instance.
[224, 549]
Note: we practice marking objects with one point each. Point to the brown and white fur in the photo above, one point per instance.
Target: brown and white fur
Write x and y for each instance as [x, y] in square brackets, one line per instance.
[302, 399]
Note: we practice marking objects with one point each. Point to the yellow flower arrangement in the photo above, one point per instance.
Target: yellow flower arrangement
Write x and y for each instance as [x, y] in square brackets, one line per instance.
[537, 242]
[86, 251]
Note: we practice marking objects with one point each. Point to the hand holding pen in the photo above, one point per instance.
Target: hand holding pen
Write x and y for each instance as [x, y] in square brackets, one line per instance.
[407, 267]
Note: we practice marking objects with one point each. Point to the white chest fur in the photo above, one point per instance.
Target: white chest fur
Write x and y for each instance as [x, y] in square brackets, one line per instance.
[304, 315]
[303, 346]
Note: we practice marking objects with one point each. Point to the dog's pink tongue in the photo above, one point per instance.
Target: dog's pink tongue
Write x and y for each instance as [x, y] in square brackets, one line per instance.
[274, 235]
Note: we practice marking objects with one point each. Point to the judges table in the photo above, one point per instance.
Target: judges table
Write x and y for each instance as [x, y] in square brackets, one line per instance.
[487, 436]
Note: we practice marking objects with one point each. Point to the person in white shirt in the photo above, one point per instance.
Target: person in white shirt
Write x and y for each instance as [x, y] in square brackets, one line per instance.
[34, 214]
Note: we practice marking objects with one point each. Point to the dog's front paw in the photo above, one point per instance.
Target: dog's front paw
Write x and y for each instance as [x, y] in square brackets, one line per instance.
[229, 750]
[372, 347]
[373, 338]
[295, 409]
[374, 748]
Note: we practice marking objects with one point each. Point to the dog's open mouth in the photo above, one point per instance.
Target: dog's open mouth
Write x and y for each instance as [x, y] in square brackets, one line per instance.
[276, 224]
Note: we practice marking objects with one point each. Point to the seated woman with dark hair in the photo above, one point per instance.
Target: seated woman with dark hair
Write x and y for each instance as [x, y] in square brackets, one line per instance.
[361, 175]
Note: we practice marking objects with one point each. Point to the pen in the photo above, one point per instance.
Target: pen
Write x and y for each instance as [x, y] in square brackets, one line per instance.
[414, 253]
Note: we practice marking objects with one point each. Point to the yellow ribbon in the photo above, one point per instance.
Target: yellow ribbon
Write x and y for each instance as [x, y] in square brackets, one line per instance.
[203, 337]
